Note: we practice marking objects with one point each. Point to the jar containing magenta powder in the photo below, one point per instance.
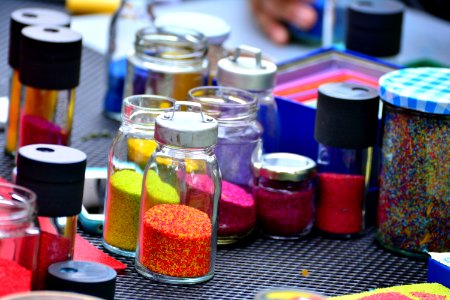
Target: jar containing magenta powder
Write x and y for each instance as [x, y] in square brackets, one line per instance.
[414, 201]
[284, 194]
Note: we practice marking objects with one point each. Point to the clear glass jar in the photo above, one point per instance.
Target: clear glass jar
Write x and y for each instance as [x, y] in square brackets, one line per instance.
[56, 174]
[18, 238]
[130, 16]
[48, 99]
[346, 131]
[284, 192]
[130, 151]
[181, 190]
[167, 61]
[256, 75]
[413, 206]
[20, 19]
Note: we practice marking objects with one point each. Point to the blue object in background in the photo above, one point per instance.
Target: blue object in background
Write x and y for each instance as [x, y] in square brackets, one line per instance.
[438, 271]
[116, 81]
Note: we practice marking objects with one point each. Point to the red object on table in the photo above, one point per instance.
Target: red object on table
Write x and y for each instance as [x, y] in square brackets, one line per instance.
[13, 278]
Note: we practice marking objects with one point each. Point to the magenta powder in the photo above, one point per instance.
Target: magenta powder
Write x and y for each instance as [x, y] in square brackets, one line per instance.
[37, 130]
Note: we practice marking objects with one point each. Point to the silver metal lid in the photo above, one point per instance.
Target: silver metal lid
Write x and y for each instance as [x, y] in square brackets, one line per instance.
[251, 73]
[284, 167]
[186, 129]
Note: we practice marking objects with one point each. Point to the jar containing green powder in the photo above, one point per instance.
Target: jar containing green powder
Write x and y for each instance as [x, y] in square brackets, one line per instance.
[130, 151]
[178, 229]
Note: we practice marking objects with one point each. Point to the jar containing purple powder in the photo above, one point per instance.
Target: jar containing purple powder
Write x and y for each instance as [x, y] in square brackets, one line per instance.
[239, 131]
[284, 194]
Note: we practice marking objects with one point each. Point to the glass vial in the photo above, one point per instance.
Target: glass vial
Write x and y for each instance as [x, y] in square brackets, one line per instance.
[167, 61]
[130, 16]
[56, 174]
[413, 207]
[284, 192]
[20, 19]
[18, 238]
[130, 151]
[181, 189]
[346, 130]
[256, 75]
[48, 99]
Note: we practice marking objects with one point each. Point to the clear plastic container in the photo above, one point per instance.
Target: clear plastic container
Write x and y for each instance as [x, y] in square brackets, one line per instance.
[130, 151]
[413, 208]
[181, 190]
[19, 238]
[284, 192]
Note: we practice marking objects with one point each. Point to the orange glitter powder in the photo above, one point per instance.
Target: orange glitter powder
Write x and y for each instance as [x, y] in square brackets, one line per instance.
[176, 241]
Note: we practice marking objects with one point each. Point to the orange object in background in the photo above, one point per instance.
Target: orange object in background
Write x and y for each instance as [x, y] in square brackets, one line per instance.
[92, 7]
[13, 114]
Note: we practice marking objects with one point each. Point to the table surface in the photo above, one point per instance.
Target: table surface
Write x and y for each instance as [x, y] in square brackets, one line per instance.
[335, 267]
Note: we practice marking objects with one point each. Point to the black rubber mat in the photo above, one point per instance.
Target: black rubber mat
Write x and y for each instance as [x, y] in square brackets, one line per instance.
[334, 267]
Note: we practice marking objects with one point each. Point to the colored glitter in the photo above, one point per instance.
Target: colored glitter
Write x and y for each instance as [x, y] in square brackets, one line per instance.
[176, 241]
[13, 277]
[140, 150]
[340, 201]
[414, 201]
[36, 130]
[158, 191]
[122, 209]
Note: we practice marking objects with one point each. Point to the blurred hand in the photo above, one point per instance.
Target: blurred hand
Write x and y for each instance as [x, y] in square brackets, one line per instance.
[271, 13]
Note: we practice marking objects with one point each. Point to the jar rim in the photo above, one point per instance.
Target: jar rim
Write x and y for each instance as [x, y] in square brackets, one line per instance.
[17, 203]
[143, 109]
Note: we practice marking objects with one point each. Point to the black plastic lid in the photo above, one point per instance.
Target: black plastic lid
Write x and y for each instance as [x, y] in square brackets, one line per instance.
[347, 115]
[82, 277]
[50, 57]
[376, 43]
[27, 17]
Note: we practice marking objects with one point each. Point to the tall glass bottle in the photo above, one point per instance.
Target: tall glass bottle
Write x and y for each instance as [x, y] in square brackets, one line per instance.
[181, 190]
[130, 151]
[131, 16]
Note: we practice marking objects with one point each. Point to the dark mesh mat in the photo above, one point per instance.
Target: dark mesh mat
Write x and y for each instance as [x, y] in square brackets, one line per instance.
[335, 267]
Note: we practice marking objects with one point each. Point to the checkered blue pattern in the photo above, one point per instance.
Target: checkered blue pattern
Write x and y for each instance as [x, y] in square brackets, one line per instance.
[421, 89]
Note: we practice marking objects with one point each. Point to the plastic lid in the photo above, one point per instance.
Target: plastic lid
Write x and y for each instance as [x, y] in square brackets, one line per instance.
[247, 73]
[284, 167]
[186, 129]
[46, 53]
[346, 115]
[213, 28]
[82, 277]
[27, 17]
[376, 14]
[420, 89]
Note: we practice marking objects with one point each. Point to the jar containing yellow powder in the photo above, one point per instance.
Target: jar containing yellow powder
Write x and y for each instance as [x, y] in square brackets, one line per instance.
[178, 228]
[130, 151]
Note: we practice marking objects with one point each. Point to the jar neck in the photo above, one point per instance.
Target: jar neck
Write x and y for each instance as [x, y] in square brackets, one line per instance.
[183, 151]
[15, 216]
[141, 111]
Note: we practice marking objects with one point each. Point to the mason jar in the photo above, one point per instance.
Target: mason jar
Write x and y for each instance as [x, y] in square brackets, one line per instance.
[130, 150]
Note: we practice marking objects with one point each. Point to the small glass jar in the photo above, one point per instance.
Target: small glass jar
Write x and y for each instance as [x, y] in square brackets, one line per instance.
[239, 131]
[18, 238]
[167, 61]
[130, 151]
[413, 207]
[181, 190]
[284, 193]
[346, 130]
[48, 99]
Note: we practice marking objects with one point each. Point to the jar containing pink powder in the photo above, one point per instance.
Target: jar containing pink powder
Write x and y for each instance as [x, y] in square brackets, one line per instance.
[284, 194]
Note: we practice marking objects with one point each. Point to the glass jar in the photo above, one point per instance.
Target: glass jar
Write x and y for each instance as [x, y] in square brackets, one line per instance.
[20, 19]
[18, 238]
[182, 185]
[413, 208]
[284, 194]
[167, 61]
[56, 174]
[256, 75]
[239, 131]
[346, 130]
[130, 16]
[130, 151]
[48, 99]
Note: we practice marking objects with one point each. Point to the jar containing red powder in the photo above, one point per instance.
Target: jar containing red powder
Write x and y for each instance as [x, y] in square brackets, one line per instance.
[180, 194]
[18, 238]
[346, 130]
[284, 194]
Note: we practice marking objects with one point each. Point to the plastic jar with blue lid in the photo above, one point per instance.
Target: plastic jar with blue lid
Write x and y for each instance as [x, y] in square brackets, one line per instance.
[414, 200]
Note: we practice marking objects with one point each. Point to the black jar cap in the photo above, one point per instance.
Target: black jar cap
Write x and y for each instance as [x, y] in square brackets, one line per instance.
[82, 277]
[50, 57]
[347, 115]
[23, 17]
